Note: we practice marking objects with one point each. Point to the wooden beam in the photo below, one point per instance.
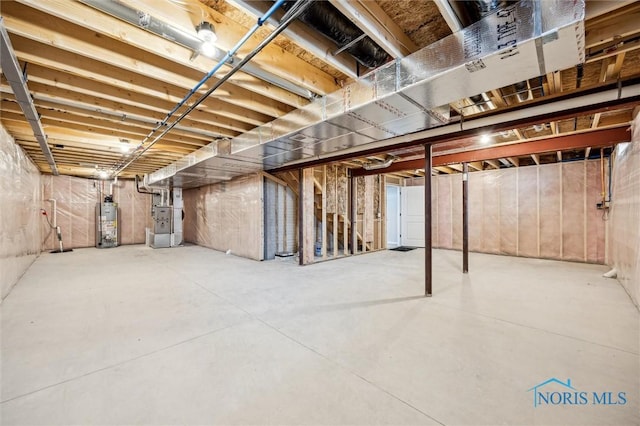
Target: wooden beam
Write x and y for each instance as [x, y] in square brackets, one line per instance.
[587, 152]
[514, 160]
[613, 25]
[496, 97]
[493, 163]
[323, 213]
[536, 159]
[37, 30]
[307, 226]
[442, 169]
[290, 67]
[518, 134]
[596, 120]
[559, 156]
[376, 24]
[476, 165]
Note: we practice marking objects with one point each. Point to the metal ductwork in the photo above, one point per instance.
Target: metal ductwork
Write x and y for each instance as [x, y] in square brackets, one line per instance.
[17, 81]
[188, 40]
[326, 19]
[411, 94]
[471, 11]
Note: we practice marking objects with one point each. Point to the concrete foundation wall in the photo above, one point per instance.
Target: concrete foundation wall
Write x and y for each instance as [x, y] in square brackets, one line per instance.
[76, 200]
[546, 211]
[227, 216]
[20, 198]
[624, 236]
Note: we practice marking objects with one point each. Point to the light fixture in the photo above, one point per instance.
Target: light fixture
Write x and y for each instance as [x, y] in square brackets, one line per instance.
[485, 139]
[103, 174]
[207, 34]
[124, 146]
[539, 127]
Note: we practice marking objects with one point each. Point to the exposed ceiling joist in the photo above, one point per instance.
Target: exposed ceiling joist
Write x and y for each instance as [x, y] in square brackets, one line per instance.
[375, 23]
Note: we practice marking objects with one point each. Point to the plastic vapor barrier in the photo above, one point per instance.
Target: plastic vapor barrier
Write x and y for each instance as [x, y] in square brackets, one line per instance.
[75, 203]
[19, 212]
[546, 211]
[227, 216]
[624, 235]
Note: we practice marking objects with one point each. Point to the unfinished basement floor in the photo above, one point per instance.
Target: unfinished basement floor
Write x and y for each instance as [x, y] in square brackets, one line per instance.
[189, 335]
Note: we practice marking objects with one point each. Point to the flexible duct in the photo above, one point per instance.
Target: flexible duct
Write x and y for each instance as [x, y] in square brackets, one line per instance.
[471, 11]
[326, 19]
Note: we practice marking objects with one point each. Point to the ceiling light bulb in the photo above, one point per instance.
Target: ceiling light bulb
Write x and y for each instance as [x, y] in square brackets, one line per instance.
[103, 174]
[485, 139]
[207, 49]
[206, 32]
[125, 148]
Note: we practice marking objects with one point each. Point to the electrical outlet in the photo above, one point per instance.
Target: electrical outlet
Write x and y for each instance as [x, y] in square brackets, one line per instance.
[603, 205]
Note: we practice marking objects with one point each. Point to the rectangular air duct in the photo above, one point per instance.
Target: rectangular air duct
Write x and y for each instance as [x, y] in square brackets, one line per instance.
[522, 41]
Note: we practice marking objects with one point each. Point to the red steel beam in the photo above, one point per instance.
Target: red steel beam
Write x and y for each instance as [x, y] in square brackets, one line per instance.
[594, 139]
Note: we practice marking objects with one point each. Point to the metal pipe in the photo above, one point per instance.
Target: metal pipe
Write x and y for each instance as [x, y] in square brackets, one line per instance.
[465, 217]
[428, 255]
[288, 18]
[318, 45]
[188, 40]
[602, 176]
[17, 80]
[54, 207]
[113, 182]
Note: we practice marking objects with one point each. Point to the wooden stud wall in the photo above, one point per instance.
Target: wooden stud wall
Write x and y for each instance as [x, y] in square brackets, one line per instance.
[326, 201]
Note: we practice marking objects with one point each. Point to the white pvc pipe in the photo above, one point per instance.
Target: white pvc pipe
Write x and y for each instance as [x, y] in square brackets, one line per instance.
[54, 211]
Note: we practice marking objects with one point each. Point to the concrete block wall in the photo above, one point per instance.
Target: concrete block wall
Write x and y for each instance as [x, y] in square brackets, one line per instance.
[20, 198]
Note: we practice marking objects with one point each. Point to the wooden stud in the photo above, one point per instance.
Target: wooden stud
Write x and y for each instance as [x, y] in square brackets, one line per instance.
[323, 213]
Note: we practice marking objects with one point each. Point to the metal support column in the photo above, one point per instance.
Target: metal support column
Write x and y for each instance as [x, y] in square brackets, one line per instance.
[465, 217]
[354, 214]
[428, 262]
[300, 217]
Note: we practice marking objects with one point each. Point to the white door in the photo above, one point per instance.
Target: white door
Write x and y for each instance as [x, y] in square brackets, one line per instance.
[393, 216]
[412, 216]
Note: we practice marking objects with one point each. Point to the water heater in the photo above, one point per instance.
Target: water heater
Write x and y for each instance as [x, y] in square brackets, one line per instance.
[107, 223]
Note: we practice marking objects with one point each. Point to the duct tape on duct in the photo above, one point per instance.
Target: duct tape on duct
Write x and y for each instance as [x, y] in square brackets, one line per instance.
[519, 42]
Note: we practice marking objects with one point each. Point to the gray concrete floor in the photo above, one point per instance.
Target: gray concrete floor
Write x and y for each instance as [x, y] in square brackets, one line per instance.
[192, 336]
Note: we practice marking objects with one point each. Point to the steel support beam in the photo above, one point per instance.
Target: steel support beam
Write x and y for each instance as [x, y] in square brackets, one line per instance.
[605, 98]
[594, 139]
[465, 218]
[428, 251]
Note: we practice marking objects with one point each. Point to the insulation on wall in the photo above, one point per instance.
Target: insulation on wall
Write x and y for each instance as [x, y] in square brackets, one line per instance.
[20, 198]
[546, 211]
[227, 216]
[76, 200]
[624, 236]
